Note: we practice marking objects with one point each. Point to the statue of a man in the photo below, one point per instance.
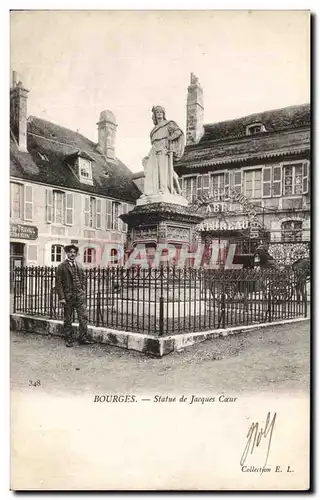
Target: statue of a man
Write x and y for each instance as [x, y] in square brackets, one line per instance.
[167, 141]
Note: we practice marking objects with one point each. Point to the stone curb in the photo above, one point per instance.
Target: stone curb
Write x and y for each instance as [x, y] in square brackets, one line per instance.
[147, 344]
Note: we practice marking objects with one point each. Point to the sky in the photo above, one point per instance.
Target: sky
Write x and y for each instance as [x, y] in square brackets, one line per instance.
[77, 63]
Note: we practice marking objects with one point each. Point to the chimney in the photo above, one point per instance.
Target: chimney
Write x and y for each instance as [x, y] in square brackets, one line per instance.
[14, 79]
[194, 111]
[107, 129]
[18, 112]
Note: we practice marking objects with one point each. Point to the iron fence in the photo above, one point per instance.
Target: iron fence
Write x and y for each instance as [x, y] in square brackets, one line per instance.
[167, 301]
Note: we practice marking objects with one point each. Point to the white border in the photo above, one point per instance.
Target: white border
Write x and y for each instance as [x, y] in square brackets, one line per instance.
[120, 5]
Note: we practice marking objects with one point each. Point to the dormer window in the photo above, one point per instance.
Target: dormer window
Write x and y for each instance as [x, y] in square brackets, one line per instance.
[255, 128]
[85, 171]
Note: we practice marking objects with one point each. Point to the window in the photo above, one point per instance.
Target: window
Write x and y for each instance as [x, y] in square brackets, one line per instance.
[16, 196]
[295, 179]
[276, 180]
[124, 210]
[218, 186]
[271, 181]
[56, 253]
[92, 212]
[21, 201]
[115, 216]
[291, 230]
[190, 188]
[252, 183]
[255, 128]
[237, 181]
[89, 256]
[113, 210]
[195, 187]
[227, 180]
[114, 256]
[59, 207]
[203, 185]
[85, 170]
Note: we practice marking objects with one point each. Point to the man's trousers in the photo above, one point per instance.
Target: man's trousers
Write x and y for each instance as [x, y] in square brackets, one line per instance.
[77, 303]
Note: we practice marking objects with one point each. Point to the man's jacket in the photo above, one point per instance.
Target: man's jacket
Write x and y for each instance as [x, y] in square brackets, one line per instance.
[64, 281]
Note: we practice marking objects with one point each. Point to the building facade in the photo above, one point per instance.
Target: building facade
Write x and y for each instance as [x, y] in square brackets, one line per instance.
[64, 188]
[250, 176]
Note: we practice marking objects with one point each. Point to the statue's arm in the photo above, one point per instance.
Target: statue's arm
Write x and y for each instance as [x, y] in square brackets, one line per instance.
[174, 131]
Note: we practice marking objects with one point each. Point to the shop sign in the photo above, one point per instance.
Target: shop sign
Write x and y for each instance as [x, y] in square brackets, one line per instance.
[224, 225]
[208, 205]
[22, 232]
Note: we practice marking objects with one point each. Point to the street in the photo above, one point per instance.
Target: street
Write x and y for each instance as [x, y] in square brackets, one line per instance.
[63, 439]
[275, 358]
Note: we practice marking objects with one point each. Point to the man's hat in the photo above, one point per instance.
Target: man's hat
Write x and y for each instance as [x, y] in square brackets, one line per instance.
[67, 248]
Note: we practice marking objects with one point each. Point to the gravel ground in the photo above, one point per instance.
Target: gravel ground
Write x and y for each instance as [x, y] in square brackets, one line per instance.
[269, 359]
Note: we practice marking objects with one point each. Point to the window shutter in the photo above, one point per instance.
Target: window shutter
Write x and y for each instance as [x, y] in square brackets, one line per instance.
[305, 178]
[108, 214]
[49, 203]
[87, 211]
[32, 253]
[98, 214]
[28, 204]
[237, 180]
[227, 183]
[199, 186]
[120, 212]
[183, 187]
[266, 182]
[206, 184]
[115, 216]
[288, 180]
[188, 188]
[69, 209]
[277, 180]
[125, 211]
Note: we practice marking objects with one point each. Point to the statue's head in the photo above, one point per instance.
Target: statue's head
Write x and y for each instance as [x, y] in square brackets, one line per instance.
[158, 113]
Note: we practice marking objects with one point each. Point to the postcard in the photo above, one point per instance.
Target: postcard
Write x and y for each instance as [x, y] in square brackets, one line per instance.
[160, 287]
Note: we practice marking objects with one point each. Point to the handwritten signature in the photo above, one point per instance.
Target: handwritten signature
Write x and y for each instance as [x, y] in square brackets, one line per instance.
[256, 435]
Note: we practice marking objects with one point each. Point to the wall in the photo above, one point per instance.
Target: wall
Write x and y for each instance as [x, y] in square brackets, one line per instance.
[273, 209]
[38, 252]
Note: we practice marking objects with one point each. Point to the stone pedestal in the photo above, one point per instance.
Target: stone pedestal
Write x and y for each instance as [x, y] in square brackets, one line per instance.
[161, 219]
[175, 199]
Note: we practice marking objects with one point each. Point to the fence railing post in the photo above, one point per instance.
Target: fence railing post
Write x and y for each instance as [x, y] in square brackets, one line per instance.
[98, 309]
[14, 292]
[269, 305]
[223, 305]
[161, 302]
[161, 315]
[305, 294]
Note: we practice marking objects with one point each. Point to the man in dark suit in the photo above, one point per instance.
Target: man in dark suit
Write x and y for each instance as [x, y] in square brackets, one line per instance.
[71, 289]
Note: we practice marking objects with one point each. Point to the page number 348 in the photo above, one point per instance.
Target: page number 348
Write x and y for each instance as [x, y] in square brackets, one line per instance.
[35, 383]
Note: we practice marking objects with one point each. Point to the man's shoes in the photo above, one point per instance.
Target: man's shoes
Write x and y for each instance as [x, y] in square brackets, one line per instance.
[69, 343]
[85, 341]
